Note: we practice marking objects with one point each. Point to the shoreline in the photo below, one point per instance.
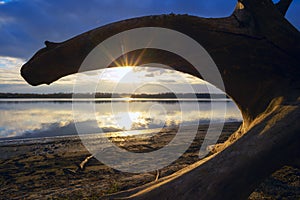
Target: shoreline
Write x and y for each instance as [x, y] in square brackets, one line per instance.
[49, 168]
[140, 132]
[52, 168]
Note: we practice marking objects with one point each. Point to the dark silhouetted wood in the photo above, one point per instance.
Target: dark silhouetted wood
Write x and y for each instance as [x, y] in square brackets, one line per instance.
[283, 6]
[257, 53]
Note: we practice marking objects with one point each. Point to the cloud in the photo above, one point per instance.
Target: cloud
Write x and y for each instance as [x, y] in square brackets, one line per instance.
[4, 2]
[9, 70]
[10, 77]
[166, 81]
[24, 25]
[10, 62]
[117, 80]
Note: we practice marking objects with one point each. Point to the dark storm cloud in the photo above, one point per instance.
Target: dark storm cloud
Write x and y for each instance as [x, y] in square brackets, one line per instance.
[25, 25]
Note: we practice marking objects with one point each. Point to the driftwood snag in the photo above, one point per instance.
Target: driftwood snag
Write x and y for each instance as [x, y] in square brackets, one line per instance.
[257, 53]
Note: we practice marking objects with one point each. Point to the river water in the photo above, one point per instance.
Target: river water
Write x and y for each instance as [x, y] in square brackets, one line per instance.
[32, 118]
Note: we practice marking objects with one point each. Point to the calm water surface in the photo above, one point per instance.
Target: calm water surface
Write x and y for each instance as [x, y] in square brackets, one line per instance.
[29, 118]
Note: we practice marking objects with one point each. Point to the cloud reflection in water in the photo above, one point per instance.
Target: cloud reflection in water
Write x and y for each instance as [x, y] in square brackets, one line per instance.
[47, 119]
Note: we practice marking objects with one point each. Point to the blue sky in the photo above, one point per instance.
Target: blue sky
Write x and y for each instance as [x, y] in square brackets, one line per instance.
[26, 24]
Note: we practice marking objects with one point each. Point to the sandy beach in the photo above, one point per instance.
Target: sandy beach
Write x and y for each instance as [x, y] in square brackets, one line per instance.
[49, 168]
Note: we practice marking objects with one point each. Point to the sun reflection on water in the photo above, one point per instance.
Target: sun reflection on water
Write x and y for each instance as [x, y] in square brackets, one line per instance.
[52, 119]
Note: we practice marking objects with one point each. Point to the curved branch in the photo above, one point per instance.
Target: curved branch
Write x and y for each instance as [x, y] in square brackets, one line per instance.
[230, 45]
[260, 68]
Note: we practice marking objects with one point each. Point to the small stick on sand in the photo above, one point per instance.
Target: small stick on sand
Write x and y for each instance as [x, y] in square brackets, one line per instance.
[157, 175]
[83, 163]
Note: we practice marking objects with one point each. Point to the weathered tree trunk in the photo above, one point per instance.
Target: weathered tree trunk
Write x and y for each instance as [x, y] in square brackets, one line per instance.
[257, 53]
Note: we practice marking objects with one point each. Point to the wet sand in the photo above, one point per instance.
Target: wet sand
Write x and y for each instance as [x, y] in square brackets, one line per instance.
[50, 168]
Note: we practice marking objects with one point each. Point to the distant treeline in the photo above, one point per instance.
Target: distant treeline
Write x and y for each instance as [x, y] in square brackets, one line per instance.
[58, 95]
[180, 96]
[110, 95]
